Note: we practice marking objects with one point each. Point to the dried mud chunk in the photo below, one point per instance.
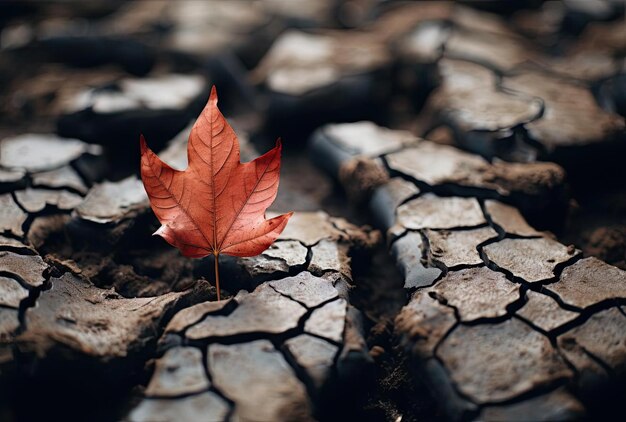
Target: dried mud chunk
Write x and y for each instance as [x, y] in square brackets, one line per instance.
[433, 212]
[455, 248]
[305, 288]
[224, 27]
[423, 323]
[389, 196]
[310, 227]
[328, 321]
[16, 245]
[590, 281]
[354, 357]
[260, 382]
[165, 92]
[206, 406]
[114, 114]
[45, 92]
[315, 355]
[534, 180]
[502, 52]
[38, 152]
[468, 97]
[29, 268]
[544, 312]
[476, 293]
[565, 123]
[281, 257]
[360, 176]
[352, 150]
[293, 253]
[368, 139]
[435, 164]
[557, 405]
[386, 198]
[453, 170]
[35, 200]
[361, 238]
[179, 372]
[407, 252]
[299, 62]
[532, 260]
[495, 362]
[509, 219]
[11, 292]
[329, 256]
[602, 336]
[425, 43]
[8, 176]
[191, 315]
[12, 217]
[110, 202]
[262, 311]
[261, 267]
[64, 177]
[78, 316]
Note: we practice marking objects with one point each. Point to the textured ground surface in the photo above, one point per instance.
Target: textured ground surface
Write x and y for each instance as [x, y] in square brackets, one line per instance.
[289, 331]
[493, 287]
[502, 318]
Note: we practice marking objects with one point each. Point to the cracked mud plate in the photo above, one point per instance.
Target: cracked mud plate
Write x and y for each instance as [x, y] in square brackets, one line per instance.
[104, 300]
[501, 318]
[277, 352]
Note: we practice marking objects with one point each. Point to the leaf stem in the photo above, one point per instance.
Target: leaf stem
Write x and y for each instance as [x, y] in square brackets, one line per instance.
[217, 275]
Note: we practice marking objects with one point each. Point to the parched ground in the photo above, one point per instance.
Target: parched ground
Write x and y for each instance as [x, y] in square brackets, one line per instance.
[458, 249]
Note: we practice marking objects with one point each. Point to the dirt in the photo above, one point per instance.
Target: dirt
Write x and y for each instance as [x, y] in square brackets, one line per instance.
[597, 224]
[363, 176]
[141, 266]
[380, 294]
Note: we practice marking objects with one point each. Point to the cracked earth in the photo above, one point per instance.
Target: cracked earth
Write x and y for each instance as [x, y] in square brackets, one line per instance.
[458, 246]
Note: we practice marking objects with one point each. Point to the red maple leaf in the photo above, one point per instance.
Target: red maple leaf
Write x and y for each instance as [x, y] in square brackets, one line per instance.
[217, 205]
